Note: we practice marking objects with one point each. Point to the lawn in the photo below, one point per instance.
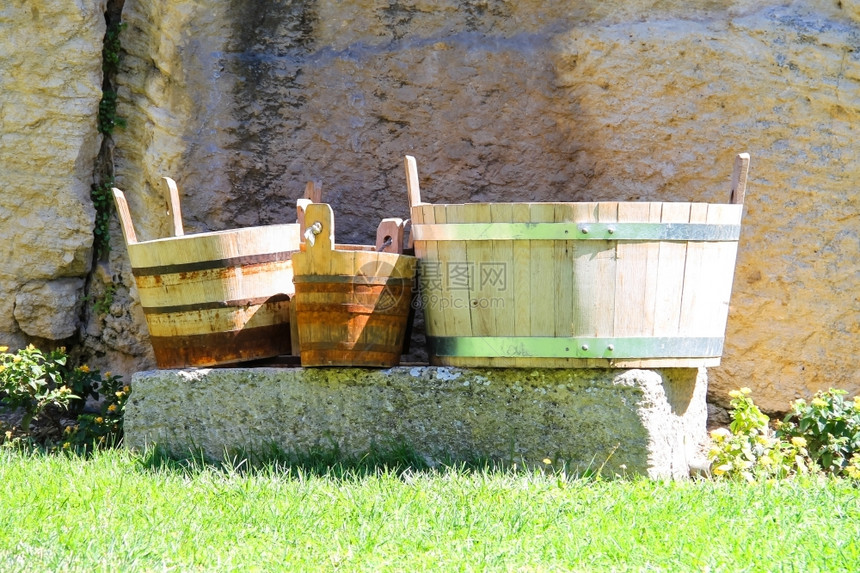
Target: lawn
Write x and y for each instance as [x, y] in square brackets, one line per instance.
[119, 511]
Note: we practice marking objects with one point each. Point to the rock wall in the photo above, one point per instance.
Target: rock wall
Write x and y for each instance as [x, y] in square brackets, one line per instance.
[243, 102]
[50, 87]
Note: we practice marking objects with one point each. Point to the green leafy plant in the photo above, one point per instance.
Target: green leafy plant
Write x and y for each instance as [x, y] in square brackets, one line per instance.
[33, 381]
[112, 47]
[830, 426]
[44, 387]
[102, 304]
[111, 52]
[103, 203]
[749, 449]
[105, 427]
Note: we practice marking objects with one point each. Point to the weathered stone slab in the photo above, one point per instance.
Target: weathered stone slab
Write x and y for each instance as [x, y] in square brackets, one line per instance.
[649, 422]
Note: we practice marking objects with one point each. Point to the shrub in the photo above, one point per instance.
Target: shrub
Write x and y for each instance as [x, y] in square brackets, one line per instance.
[822, 436]
[749, 448]
[830, 426]
[43, 387]
[32, 381]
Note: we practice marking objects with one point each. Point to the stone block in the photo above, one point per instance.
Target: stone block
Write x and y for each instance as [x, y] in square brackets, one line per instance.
[641, 422]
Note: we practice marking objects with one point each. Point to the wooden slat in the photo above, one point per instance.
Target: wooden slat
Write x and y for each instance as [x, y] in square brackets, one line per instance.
[563, 253]
[173, 207]
[670, 274]
[585, 276]
[413, 188]
[313, 191]
[636, 277]
[542, 297]
[316, 260]
[694, 302]
[124, 217]
[389, 236]
[522, 282]
[718, 271]
[479, 254]
[458, 317]
[739, 178]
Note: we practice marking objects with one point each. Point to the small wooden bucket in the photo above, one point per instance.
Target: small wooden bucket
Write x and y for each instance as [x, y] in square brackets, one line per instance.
[213, 298]
[352, 302]
[609, 284]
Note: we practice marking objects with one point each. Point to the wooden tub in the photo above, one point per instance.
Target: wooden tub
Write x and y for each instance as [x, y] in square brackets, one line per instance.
[352, 302]
[602, 284]
[213, 298]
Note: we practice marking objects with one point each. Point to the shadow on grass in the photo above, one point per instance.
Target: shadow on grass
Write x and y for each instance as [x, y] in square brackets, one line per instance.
[394, 458]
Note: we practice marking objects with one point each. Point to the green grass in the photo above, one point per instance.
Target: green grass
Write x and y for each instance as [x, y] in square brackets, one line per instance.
[121, 512]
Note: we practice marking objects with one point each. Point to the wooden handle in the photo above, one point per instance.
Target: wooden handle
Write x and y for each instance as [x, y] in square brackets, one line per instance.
[313, 191]
[412, 187]
[320, 227]
[389, 236]
[739, 178]
[173, 207]
[301, 214]
[124, 217]
[410, 242]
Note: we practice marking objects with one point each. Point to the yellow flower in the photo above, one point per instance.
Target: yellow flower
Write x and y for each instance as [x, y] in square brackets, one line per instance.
[857, 402]
[4, 348]
[818, 402]
[99, 420]
[765, 461]
[84, 368]
[720, 434]
[745, 390]
[720, 470]
[16, 358]
[112, 408]
[66, 445]
[547, 461]
[798, 441]
[735, 394]
[126, 389]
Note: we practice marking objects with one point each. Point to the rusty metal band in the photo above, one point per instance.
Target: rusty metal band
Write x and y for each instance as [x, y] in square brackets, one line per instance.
[352, 279]
[213, 264]
[239, 303]
[574, 347]
[576, 231]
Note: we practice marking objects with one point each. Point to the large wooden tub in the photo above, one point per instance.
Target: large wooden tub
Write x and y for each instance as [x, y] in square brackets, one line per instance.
[213, 298]
[603, 284]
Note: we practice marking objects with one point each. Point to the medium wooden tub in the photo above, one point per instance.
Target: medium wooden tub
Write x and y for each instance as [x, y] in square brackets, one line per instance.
[603, 284]
[352, 303]
[213, 298]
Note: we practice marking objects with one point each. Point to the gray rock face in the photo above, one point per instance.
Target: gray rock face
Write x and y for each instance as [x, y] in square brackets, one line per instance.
[645, 422]
[50, 54]
[49, 309]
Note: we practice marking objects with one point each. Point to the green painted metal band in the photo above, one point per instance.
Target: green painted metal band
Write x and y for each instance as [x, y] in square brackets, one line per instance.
[575, 347]
[576, 231]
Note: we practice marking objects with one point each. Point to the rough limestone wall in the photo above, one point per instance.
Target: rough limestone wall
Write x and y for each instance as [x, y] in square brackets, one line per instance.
[50, 87]
[243, 102]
